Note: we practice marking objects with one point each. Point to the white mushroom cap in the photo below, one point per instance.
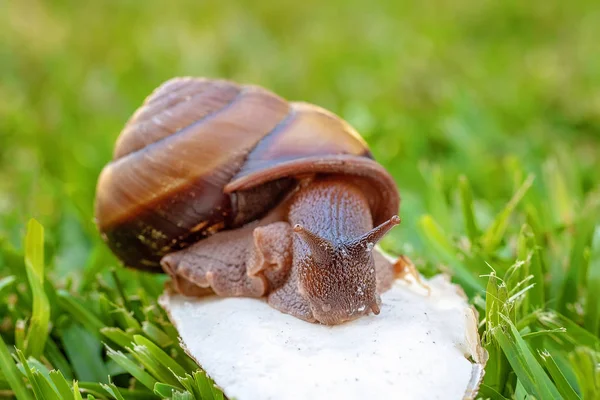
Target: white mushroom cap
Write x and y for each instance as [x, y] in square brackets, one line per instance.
[418, 347]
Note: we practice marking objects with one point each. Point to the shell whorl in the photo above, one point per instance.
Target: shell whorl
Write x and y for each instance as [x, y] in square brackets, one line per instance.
[171, 107]
[165, 187]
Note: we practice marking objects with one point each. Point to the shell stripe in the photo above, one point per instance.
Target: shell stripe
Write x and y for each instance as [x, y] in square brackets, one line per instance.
[310, 131]
[171, 108]
[144, 177]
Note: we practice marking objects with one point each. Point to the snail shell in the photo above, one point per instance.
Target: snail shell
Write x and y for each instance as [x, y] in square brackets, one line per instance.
[203, 155]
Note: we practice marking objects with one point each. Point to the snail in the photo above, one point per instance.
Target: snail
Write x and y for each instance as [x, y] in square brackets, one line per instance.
[232, 190]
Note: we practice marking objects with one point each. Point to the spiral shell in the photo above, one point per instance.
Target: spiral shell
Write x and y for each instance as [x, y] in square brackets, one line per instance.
[202, 155]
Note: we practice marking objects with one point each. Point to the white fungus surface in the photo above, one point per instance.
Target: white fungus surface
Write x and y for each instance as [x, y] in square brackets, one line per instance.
[416, 348]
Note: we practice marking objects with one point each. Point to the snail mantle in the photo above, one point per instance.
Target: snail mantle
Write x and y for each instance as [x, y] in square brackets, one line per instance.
[421, 346]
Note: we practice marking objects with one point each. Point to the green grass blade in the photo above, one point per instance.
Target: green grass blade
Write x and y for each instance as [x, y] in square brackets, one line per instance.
[12, 374]
[574, 335]
[28, 372]
[208, 389]
[561, 202]
[97, 260]
[592, 304]
[61, 384]
[160, 355]
[150, 284]
[79, 312]
[486, 392]
[4, 386]
[586, 364]
[493, 236]
[36, 365]
[112, 390]
[217, 393]
[436, 199]
[76, 392]
[497, 366]
[119, 287]
[183, 396]
[84, 352]
[189, 384]
[20, 334]
[156, 334]
[96, 389]
[50, 291]
[126, 319]
[6, 283]
[34, 249]
[40, 316]
[466, 197]
[114, 369]
[136, 371]
[154, 366]
[438, 242]
[522, 276]
[532, 216]
[165, 390]
[521, 392]
[537, 296]
[46, 387]
[577, 267]
[168, 328]
[56, 357]
[105, 310]
[528, 370]
[563, 361]
[204, 384]
[559, 379]
[118, 336]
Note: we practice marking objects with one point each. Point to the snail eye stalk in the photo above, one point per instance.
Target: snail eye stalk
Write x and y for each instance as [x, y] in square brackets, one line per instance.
[321, 249]
[370, 239]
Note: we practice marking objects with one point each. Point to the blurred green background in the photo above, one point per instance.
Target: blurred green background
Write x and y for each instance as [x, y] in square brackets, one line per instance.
[487, 114]
[438, 89]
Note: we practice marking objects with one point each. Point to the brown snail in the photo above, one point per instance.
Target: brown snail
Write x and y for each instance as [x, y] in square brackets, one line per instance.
[231, 189]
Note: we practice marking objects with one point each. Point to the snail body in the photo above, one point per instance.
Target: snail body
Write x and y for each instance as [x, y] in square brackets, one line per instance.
[232, 190]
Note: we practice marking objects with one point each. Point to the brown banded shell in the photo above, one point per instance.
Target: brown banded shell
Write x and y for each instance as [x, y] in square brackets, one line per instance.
[199, 151]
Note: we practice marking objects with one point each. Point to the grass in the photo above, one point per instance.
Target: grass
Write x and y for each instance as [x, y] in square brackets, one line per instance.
[486, 114]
